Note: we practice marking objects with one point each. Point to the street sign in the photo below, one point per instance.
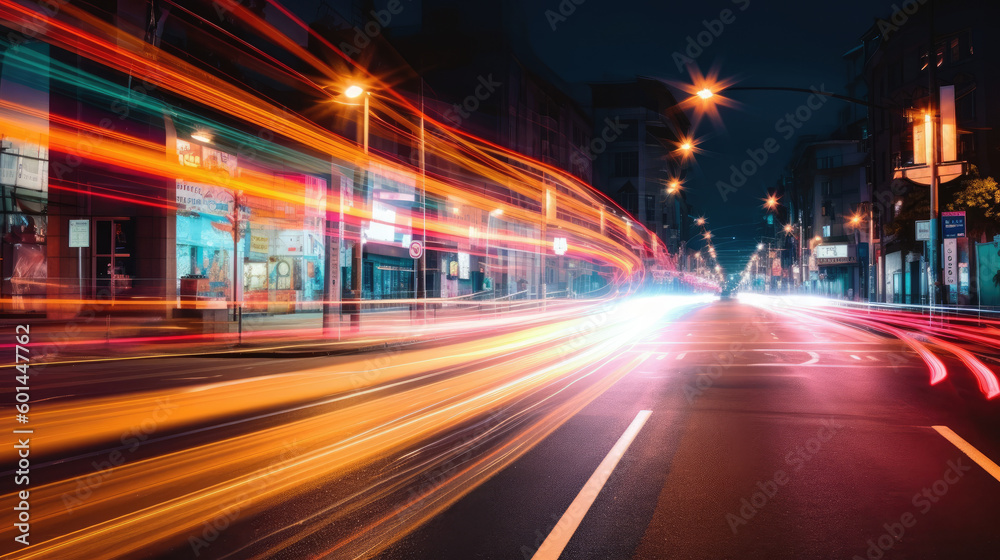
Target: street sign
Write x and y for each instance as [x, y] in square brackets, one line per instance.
[923, 230]
[560, 245]
[951, 261]
[79, 233]
[416, 249]
[953, 224]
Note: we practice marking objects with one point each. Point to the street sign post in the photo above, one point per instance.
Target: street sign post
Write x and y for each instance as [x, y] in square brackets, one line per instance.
[79, 237]
[951, 261]
[923, 230]
[953, 224]
[416, 249]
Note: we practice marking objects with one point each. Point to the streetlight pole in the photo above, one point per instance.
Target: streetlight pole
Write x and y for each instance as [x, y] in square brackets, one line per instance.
[357, 253]
[803, 268]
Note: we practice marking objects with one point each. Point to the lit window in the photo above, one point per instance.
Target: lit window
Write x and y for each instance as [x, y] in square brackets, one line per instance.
[826, 231]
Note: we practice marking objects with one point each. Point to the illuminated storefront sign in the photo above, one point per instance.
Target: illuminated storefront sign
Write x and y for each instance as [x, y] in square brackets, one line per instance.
[560, 245]
[834, 254]
[463, 266]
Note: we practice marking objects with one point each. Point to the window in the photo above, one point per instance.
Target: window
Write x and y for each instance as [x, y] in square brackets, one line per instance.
[827, 209]
[956, 52]
[966, 145]
[826, 231]
[627, 164]
[650, 207]
[965, 106]
[827, 188]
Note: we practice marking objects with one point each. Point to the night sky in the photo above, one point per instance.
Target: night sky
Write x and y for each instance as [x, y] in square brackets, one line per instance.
[791, 43]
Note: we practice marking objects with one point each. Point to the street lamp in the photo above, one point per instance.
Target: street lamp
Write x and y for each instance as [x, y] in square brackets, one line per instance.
[353, 91]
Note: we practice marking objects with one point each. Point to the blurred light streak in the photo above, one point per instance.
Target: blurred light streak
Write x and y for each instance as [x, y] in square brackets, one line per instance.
[988, 383]
[413, 398]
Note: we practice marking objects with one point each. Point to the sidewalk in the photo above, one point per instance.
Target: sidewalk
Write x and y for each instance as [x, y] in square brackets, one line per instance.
[288, 336]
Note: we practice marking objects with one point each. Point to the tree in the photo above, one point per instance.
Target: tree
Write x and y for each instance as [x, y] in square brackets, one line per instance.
[980, 198]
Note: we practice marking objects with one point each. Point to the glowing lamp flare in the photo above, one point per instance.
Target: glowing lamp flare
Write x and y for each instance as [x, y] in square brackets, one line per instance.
[353, 91]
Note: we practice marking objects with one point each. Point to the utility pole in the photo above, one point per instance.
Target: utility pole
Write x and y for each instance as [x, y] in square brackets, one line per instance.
[932, 117]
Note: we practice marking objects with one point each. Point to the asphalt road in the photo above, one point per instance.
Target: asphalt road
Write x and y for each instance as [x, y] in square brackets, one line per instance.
[718, 430]
[769, 437]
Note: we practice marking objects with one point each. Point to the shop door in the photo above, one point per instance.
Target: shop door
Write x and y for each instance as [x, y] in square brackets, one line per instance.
[114, 263]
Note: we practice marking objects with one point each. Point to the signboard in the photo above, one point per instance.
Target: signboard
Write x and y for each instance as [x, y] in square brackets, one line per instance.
[560, 245]
[950, 256]
[79, 233]
[260, 244]
[463, 266]
[831, 251]
[923, 230]
[417, 249]
[952, 224]
[290, 242]
[834, 254]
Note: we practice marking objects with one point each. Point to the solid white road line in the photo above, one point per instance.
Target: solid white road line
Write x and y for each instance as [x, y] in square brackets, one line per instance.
[568, 523]
[973, 453]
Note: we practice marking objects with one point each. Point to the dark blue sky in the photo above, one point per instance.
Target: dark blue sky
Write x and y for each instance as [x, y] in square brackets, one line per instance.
[792, 43]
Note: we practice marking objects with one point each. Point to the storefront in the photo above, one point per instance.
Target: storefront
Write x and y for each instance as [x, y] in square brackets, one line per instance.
[276, 252]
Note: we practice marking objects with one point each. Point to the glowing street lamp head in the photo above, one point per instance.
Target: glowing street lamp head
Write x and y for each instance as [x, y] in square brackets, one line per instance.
[708, 235]
[700, 221]
[788, 228]
[771, 202]
[855, 220]
[673, 187]
[760, 246]
[353, 91]
[705, 93]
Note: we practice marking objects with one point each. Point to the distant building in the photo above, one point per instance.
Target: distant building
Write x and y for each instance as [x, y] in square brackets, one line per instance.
[496, 89]
[830, 186]
[636, 134]
[964, 53]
